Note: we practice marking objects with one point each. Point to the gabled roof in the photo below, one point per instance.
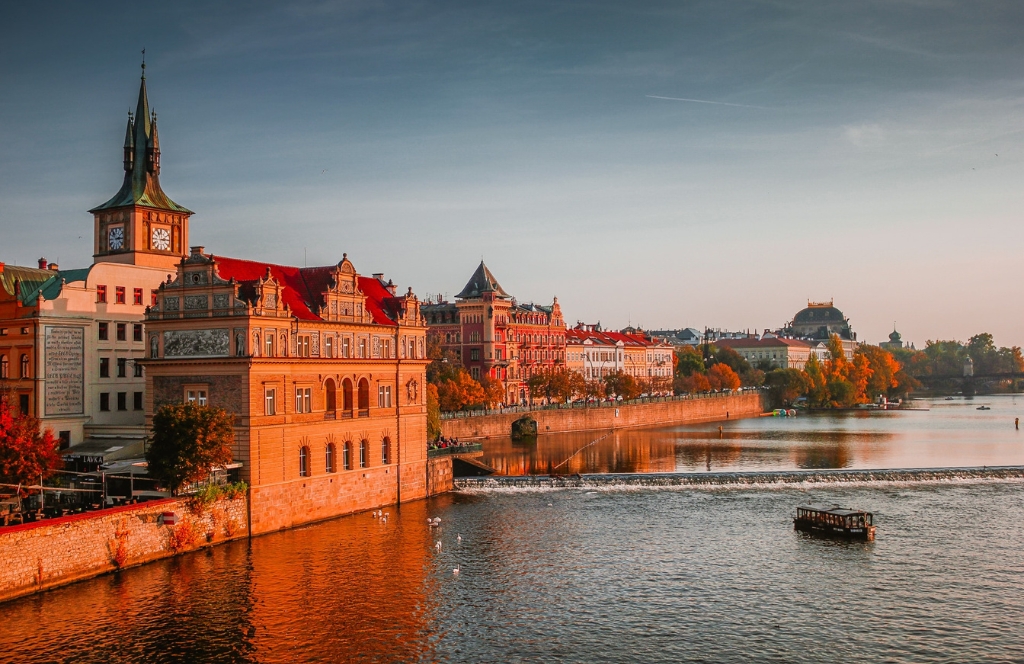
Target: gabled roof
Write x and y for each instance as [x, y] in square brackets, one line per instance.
[482, 282]
[304, 287]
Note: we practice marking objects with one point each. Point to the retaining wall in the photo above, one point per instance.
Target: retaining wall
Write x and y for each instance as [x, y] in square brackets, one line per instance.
[439, 475]
[41, 555]
[683, 411]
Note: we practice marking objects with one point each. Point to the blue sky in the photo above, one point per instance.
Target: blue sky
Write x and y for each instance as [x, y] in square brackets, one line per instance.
[869, 152]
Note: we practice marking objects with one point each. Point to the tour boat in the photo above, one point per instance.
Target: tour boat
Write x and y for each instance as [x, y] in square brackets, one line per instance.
[983, 408]
[835, 522]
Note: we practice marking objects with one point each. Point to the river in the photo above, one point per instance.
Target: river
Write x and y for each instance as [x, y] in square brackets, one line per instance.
[613, 574]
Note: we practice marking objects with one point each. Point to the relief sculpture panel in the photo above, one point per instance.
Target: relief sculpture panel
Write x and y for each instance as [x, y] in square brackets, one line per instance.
[197, 343]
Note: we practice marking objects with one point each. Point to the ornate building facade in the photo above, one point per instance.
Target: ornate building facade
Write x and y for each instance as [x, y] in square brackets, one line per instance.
[323, 368]
[495, 336]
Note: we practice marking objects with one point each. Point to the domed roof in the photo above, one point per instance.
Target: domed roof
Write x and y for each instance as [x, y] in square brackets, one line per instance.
[895, 336]
[819, 313]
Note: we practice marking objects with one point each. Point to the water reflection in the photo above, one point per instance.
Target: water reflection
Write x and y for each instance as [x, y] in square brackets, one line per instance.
[948, 434]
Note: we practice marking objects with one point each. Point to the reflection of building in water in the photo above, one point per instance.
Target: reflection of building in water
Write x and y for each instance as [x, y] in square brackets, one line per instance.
[835, 455]
[368, 580]
[620, 452]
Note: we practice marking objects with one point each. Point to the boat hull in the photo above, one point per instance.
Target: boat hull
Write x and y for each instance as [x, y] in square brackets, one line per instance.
[865, 534]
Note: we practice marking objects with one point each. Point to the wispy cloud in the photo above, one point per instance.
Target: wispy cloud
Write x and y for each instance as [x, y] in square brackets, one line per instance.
[707, 101]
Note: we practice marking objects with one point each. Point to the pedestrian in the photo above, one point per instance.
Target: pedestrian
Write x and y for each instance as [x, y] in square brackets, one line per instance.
[1016, 423]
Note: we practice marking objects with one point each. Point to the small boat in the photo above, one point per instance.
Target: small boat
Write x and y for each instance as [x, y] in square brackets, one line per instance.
[835, 521]
[983, 408]
[949, 399]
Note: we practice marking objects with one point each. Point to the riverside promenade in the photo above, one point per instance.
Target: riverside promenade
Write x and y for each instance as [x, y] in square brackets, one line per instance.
[756, 478]
[641, 413]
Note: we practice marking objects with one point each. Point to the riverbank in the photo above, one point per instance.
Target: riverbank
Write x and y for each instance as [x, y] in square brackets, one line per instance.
[633, 415]
[762, 478]
[46, 554]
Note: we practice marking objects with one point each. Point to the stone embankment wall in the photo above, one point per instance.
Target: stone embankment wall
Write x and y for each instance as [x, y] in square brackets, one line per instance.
[439, 475]
[41, 555]
[684, 411]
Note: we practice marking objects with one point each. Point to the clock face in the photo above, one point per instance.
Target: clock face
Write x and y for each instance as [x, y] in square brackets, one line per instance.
[115, 238]
[161, 239]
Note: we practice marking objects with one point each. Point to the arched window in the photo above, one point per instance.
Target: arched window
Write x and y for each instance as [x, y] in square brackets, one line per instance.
[346, 396]
[364, 396]
[330, 458]
[303, 461]
[24, 366]
[346, 456]
[331, 396]
[4, 367]
[362, 453]
[385, 451]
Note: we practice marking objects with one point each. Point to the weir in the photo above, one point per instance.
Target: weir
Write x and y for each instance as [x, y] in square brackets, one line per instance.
[758, 478]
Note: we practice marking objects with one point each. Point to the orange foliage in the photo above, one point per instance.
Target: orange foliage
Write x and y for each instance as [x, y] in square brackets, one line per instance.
[722, 377]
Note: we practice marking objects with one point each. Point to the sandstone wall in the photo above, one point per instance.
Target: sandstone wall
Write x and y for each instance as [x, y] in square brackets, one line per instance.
[439, 475]
[683, 411]
[42, 555]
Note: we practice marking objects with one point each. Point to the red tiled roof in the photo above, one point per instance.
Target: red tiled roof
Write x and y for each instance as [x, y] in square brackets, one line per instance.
[304, 286]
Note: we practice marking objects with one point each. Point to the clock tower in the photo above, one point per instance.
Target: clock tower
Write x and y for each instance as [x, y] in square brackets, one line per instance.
[140, 225]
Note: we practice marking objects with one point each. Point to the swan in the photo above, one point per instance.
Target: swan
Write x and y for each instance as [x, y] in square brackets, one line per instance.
[456, 570]
[459, 538]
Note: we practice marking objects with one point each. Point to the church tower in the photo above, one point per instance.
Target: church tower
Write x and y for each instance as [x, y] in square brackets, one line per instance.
[140, 225]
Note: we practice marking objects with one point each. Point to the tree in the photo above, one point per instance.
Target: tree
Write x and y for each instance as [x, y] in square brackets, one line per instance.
[688, 362]
[722, 377]
[622, 384]
[26, 453]
[884, 371]
[817, 391]
[494, 391]
[692, 384]
[433, 413]
[188, 441]
[460, 392]
[730, 358]
[785, 386]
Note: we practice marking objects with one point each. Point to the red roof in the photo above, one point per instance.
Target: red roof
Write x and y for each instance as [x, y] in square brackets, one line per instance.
[304, 286]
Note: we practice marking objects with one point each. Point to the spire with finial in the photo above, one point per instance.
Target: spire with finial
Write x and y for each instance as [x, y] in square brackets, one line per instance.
[129, 145]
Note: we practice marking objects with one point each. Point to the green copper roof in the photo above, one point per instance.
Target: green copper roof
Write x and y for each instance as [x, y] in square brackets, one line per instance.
[481, 282]
[141, 184]
[31, 282]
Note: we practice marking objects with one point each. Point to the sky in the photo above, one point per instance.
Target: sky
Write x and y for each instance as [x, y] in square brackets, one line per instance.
[663, 164]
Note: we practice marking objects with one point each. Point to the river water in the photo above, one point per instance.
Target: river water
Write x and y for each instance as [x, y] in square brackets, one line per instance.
[615, 574]
[941, 434]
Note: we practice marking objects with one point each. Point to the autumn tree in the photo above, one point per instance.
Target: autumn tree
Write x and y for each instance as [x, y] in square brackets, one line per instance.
[692, 384]
[494, 391]
[433, 413]
[622, 384]
[730, 358]
[460, 392]
[188, 440]
[26, 453]
[723, 377]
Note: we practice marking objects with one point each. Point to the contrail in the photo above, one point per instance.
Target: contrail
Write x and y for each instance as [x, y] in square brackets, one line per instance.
[705, 101]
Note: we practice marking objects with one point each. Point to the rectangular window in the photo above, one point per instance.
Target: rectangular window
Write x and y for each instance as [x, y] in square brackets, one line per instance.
[105, 401]
[137, 332]
[122, 401]
[122, 367]
[137, 401]
[475, 371]
[346, 347]
[104, 331]
[474, 354]
[362, 348]
[119, 295]
[104, 367]
[23, 403]
[270, 402]
[384, 396]
[329, 347]
[302, 345]
[137, 296]
[303, 400]
[270, 344]
[136, 370]
[101, 294]
[197, 397]
[122, 332]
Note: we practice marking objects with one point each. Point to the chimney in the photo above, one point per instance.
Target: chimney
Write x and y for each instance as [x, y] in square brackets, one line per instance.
[42, 263]
[54, 267]
[197, 251]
